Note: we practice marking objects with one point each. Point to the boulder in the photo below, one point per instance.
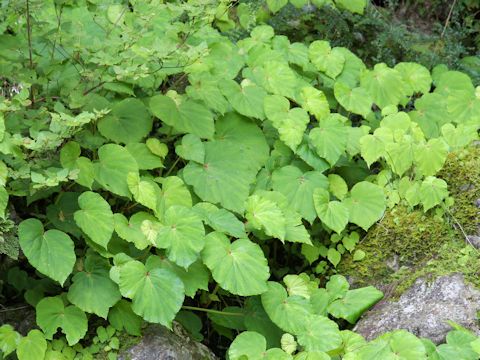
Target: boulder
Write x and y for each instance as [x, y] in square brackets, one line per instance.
[159, 343]
[425, 309]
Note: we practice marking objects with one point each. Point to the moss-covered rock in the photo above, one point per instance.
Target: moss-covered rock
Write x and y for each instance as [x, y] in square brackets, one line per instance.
[406, 244]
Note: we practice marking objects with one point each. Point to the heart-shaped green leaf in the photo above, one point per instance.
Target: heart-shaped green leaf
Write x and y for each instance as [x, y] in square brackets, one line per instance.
[127, 122]
[366, 204]
[92, 290]
[53, 314]
[319, 333]
[298, 188]
[253, 346]
[51, 252]
[115, 163]
[95, 218]
[32, 347]
[182, 234]
[334, 214]
[354, 303]
[239, 267]
[157, 294]
[290, 313]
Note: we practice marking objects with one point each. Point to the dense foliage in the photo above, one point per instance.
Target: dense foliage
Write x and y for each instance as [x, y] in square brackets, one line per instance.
[152, 169]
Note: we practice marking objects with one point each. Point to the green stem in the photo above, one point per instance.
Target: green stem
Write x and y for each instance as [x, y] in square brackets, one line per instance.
[213, 293]
[194, 308]
[172, 167]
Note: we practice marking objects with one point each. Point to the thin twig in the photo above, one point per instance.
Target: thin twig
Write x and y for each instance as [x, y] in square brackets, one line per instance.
[14, 309]
[448, 19]
[460, 227]
[94, 87]
[194, 308]
[30, 56]
[172, 167]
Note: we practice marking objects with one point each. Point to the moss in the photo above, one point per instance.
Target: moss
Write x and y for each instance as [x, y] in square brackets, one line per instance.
[462, 174]
[403, 239]
[406, 245]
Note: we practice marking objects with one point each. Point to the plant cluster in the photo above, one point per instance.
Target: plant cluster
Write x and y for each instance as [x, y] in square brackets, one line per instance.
[387, 31]
[152, 168]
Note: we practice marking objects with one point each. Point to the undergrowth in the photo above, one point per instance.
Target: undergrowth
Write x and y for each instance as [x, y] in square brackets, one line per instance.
[154, 170]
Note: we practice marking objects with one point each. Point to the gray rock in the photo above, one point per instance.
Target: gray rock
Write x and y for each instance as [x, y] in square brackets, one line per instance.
[424, 310]
[474, 241]
[159, 343]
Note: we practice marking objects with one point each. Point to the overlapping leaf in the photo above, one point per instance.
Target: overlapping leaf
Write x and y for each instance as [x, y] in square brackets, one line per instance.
[239, 267]
[51, 252]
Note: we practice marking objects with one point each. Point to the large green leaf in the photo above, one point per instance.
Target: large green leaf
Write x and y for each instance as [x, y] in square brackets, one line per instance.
[330, 139]
[145, 158]
[417, 78]
[127, 122]
[263, 214]
[247, 98]
[51, 252]
[194, 278]
[298, 188]
[366, 204]
[354, 303]
[224, 178]
[253, 346]
[95, 218]
[122, 317]
[400, 155]
[328, 60]
[463, 106]
[32, 347]
[184, 115]
[294, 229]
[431, 114]
[231, 163]
[356, 100]
[385, 85]
[174, 192]
[334, 214]
[276, 5]
[205, 88]
[354, 6]
[239, 267]
[9, 339]
[290, 313]
[144, 191]
[292, 128]
[320, 334]
[276, 77]
[372, 147]
[432, 192]
[53, 314]
[92, 290]
[157, 294]
[60, 212]
[182, 234]
[191, 148]
[315, 102]
[220, 219]
[430, 157]
[130, 230]
[399, 345]
[276, 107]
[115, 163]
[352, 68]
[243, 134]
